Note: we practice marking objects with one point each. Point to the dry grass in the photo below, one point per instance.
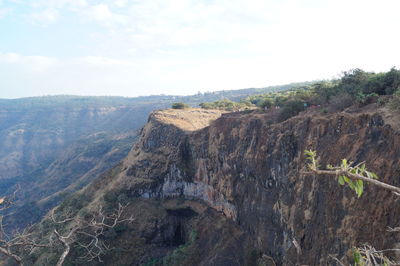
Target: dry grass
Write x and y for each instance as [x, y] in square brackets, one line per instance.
[188, 119]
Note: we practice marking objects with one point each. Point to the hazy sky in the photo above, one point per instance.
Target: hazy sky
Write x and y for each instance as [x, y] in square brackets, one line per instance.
[131, 48]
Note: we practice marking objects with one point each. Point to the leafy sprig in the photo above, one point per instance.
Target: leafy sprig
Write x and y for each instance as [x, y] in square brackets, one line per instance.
[345, 172]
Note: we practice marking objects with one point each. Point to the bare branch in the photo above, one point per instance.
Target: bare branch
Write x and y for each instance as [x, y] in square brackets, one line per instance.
[297, 246]
[64, 241]
[114, 218]
[337, 260]
[24, 239]
[374, 257]
[396, 229]
[92, 230]
[7, 201]
[60, 221]
[9, 244]
[7, 252]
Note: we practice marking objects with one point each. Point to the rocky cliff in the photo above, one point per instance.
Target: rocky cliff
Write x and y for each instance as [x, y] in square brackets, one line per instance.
[52, 145]
[236, 180]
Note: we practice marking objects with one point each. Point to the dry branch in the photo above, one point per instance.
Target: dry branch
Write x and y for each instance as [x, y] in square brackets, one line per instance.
[92, 230]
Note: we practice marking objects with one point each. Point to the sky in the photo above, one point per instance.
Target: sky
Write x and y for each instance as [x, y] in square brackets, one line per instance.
[181, 47]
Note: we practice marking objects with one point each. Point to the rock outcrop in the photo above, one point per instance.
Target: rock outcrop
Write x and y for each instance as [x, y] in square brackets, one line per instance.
[236, 180]
[251, 171]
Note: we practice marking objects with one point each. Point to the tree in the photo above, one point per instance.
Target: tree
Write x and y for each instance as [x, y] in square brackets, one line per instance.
[81, 232]
[392, 80]
[91, 230]
[353, 81]
[266, 103]
[324, 91]
[10, 244]
[291, 108]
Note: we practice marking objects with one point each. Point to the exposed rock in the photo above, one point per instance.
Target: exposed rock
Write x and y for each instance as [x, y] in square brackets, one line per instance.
[238, 184]
[251, 171]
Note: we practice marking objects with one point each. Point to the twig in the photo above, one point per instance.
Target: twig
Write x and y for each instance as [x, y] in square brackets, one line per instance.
[375, 182]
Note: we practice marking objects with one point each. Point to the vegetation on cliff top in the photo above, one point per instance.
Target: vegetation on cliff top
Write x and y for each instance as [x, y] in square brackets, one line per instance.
[179, 105]
[227, 105]
[355, 86]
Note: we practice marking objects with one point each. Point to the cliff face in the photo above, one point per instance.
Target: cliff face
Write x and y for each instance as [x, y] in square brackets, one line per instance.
[250, 171]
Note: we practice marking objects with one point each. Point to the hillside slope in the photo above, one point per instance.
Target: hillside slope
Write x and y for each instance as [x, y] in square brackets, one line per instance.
[237, 184]
[52, 145]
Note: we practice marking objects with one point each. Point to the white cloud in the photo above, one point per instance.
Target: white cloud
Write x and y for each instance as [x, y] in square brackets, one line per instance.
[103, 61]
[35, 64]
[58, 3]
[4, 12]
[104, 15]
[121, 3]
[46, 16]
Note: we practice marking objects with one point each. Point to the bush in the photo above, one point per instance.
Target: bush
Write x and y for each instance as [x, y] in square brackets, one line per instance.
[266, 103]
[324, 91]
[382, 101]
[340, 102]
[394, 103]
[392, 81]
[353, 81]
[364, 99]
[226, 105]
[291, 108]
[179, 105]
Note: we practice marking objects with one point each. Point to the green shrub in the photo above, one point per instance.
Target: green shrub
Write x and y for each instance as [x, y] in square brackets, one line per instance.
[226, 104]
[291, 108]
[394, 103]
[179, 105]
[382, 101]
[266, 103]
[392, 81]
[353, 82]
[340, 102]
[364, 99]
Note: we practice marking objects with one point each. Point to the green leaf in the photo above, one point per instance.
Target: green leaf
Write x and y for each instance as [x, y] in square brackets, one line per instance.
[353, 171]
[359, 191]
[374, 176]
[369, 174]
[344, 163]
[360, 188]
[357, 257]
[360, 183]
[341, 180]
[310, 153]
[346, 179]
[356, 189]
[351, 184]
